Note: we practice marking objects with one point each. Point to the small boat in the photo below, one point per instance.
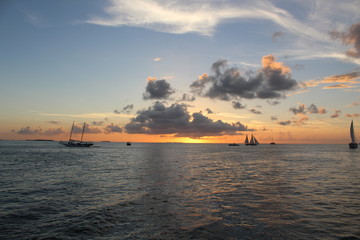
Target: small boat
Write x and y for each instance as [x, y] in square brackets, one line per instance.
[272, 141]
[77, 143]
[353, 143]
[233, 144]
[128, 144]
[253, 141]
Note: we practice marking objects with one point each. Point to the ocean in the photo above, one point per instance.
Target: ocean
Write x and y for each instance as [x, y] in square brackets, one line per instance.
[178, 191]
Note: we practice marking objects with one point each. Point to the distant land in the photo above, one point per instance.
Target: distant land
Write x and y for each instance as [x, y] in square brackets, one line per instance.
[44, 140]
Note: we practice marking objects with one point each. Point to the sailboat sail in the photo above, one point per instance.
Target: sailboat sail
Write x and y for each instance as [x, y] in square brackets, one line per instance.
[246, 140]
[256, 141]
[352, 134]
[353, 143]
[252, 140]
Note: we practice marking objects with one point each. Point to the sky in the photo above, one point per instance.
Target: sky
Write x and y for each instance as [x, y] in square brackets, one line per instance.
[199, 71]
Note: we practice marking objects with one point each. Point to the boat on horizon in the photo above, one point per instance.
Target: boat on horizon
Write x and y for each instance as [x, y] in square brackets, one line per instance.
[233, 144]
[253, 141]
[353, 143]
[77, 143]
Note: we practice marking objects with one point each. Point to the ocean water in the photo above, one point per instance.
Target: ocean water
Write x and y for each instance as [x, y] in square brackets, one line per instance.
[178, 191]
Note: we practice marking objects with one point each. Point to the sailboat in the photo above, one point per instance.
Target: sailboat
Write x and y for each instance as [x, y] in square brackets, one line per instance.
[253, 141]
[353, 143]
[272, 141]
[77, 143]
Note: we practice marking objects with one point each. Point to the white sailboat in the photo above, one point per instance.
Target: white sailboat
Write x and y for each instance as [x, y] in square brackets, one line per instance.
[253, 141]
[77, 143]
[353, 143]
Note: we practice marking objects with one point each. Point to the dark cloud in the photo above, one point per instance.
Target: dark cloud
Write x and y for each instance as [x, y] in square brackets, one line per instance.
[49, 132]
[302, 109]
[53, 122]
[187, 98]
[273, 103]
[99, 123]
[113, 129]
[226, 83]
[88, 129]
[336, 114]
[253, 110]
[298, 110]
[158, 89]
[277, 35]
[351, 37]
[273, 118]
[285, 123]
[176, 120]
[209, 111]
[28, 131]
[238, 105]
[54, 131]
[127, 109]
[314, 109]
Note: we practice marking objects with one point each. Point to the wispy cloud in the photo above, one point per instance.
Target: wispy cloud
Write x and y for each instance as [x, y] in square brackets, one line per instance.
[84, 115]
[338, 86]
[180, 17]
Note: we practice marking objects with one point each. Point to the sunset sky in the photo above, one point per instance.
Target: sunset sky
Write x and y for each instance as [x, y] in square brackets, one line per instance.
[180, 71]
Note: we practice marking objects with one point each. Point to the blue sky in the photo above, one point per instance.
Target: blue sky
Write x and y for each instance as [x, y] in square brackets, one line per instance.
[64, 61]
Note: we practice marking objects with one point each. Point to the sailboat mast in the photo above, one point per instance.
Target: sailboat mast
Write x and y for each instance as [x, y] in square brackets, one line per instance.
[82, 134]
[72, 128]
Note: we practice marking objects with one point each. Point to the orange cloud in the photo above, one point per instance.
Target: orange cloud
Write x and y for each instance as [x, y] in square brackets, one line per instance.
[268, 61]
[353, 115]
[336, 86]
[150, 79]
[345, 78]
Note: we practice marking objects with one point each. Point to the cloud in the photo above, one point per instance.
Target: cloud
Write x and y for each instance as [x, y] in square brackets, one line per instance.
[99, 123]
[273, 118]
[299, 110]
[273, 103]
[53, 122]
[238, 105]
[209, 111]
[187, 98]
[285, 123]
[302, 109]
[203, 17]
[157, 59]
[314, 109]
[28, 131]
[113, 129]
[351, 37]
[339, 86]
[176, 120]
[54, 131]
[226, 83]
[158, 89]
[254, 111]
[353, 115]
[49, 132]
[343, 78]
[336, 114]
[300, 120]
[277, 35]
[127, 109]
[88, 129]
